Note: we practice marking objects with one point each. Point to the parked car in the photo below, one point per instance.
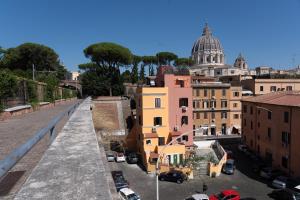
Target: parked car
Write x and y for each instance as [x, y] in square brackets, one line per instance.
[120, 157]
[242, 147]
[285, 194]
[110, 156]
[132, 158]
[229, 154]
[120, 181]
[282, 182]
[228, 167]
[269, 173]
[226, 195]
[258, 166]
[173, 176]
[128, 194]
[198, 197]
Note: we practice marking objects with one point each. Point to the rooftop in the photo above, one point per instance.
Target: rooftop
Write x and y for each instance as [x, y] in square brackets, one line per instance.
[286, 98]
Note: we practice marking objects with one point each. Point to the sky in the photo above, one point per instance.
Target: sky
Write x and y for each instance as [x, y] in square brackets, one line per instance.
[266, 32]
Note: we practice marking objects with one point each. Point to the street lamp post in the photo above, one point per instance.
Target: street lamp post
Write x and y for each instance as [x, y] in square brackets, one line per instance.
[159, 155]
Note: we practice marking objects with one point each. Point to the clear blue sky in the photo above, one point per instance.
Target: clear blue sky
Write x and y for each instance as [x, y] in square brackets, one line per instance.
[267, 32]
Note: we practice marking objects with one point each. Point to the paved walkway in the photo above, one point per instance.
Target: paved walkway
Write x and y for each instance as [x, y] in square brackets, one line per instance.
[18, 130]
[72, 167]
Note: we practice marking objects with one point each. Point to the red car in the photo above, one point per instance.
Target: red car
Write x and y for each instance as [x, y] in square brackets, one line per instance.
[226, 194]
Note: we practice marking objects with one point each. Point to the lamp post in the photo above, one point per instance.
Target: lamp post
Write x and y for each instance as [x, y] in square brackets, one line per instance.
[159, 155]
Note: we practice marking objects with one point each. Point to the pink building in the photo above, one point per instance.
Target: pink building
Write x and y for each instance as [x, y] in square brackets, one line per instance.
[180, 102]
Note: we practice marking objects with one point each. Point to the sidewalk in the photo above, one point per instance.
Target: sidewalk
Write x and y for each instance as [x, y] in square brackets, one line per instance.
[72, 167]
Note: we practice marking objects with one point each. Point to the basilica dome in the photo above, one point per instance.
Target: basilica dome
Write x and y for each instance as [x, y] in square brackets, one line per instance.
[207, 49]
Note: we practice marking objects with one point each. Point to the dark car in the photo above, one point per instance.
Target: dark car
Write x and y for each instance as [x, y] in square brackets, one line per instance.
[120, 181]
[257, 166]
[285, 194]
[269, 173]
[228, 167]
[132, 158]
[173, 176]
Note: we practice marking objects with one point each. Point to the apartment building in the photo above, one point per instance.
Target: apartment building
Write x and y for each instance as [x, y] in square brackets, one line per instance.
[271, 127]
[163, 113]
[216, 107]
[264, 86]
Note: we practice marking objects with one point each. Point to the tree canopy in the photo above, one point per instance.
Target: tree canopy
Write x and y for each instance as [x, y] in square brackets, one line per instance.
[183, 62]
[166, 58]
[108, 54]
[23, 56]
[102, 74]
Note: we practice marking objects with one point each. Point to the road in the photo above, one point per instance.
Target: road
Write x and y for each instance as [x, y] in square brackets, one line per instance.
[248, 184]
[18, 130]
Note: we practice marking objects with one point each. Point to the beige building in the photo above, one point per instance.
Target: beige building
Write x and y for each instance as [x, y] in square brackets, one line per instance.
[217, 107]
[265, 86]
[270, 127]
[75, 76]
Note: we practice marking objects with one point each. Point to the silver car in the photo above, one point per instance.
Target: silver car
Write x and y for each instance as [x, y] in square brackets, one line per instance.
[282, 182]
[110, 157]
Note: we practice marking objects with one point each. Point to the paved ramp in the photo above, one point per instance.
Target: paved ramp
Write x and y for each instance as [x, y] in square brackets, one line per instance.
[72, 167]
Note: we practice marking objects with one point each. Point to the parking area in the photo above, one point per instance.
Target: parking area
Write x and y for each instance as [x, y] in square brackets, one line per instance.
[246, 182]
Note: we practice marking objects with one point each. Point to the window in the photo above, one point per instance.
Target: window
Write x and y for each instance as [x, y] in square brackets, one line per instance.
[197, 92]
[261, 88]
[185, 138]
[224, 104]
[157, 121]
[184, 120]
[205, 104]
[289, 88]
[269, 133]
[205, 92]
[198, 115]
[180, 82]
[223, 92]
[161, 141]
[198, 104]
[286, 117]
[224, 115]
[213, 92]
[235, 105]
[194, 104]
[157, 103]
[205, 115]
[269, 115]
[251, 110]
[285, 138]
[273, 88]
[236, 116]
[245, 108]
[213, 104]
[183, 102]
[148, 141]
[258, 112]
[236, 94]
[284, 161]
[213, 115]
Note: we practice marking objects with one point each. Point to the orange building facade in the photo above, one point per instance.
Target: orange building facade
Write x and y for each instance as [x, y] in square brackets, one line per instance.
[270, 127]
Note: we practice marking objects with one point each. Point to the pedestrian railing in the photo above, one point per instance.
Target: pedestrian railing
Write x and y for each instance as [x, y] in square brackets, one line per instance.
[12, 159]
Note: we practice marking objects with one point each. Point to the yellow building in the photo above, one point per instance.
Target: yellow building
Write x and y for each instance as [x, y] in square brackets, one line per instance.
[151, 132]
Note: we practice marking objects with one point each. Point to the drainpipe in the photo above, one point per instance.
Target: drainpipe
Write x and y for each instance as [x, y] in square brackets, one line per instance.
[290, 142]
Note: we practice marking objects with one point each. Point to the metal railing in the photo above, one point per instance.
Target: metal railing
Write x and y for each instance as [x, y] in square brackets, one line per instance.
[12, 159]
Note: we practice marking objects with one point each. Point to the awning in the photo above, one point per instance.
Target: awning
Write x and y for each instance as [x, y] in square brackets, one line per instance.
[150, 135]
[153, 155]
